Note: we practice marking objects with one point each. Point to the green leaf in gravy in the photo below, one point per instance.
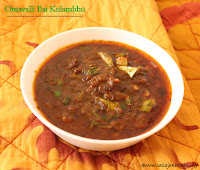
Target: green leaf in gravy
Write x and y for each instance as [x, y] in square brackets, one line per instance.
[110, 104]
[91, 70]
[94, 70]
[148, 105]
[57, 93]
[129, 70]
[59, 82]
[107, 58]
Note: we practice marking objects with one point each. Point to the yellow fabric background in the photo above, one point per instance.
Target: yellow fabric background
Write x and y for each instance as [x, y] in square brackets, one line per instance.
[21, 134]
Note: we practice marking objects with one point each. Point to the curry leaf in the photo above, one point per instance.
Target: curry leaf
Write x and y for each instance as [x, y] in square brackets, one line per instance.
[107, 58]
[57, 93]
[148, 105]
[129, 70]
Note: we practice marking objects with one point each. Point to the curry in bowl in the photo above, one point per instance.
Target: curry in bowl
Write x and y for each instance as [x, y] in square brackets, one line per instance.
[102, 90]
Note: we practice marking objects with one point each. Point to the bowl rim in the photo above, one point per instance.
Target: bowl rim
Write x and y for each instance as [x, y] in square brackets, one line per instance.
[47, 123]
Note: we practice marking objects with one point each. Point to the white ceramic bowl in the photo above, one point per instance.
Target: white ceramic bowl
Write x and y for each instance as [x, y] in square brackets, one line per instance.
[48, 47]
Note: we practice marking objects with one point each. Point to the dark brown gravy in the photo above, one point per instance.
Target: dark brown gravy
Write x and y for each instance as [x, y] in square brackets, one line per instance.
[79, 92]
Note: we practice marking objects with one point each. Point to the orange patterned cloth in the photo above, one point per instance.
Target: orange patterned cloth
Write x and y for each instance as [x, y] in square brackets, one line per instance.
[25, 143]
